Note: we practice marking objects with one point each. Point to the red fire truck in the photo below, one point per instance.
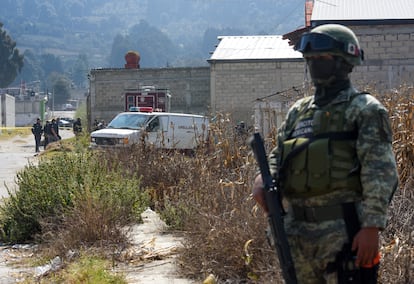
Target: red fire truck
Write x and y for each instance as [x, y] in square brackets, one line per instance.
[148, 97]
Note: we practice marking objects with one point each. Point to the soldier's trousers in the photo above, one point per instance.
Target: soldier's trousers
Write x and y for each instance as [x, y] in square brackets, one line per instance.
[313, 246]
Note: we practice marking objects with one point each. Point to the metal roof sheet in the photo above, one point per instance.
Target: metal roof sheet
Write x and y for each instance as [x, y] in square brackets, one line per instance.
[253, 47]
[363, 10]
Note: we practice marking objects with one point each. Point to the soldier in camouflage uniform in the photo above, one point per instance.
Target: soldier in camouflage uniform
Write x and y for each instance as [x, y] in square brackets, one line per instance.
[343, 156]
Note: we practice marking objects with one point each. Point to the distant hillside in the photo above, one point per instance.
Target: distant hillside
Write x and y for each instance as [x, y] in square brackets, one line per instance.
[72, 27]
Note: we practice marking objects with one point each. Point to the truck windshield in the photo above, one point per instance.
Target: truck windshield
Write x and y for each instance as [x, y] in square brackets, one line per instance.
[129, 121]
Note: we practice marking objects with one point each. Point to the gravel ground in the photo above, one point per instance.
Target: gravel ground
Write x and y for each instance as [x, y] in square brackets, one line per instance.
[150, 260]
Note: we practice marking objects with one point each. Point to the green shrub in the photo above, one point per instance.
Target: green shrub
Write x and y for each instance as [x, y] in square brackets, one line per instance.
[174, 213]
[50, 191]
[89, 269]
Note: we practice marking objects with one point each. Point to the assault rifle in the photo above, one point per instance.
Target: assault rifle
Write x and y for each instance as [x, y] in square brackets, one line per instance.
[275, 211]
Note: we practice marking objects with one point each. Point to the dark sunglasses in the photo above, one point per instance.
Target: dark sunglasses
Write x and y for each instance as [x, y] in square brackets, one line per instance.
[320, 42]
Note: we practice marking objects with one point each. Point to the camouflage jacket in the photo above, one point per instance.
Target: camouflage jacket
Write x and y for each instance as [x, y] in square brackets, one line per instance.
[366, 116]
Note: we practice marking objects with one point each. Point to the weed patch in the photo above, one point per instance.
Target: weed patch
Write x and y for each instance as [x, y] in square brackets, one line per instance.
[87, 269]
[56, 193]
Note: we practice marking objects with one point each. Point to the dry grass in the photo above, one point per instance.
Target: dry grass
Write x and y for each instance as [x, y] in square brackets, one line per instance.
[398, 238]
[12, 132]
[225, 235]
[208, 197]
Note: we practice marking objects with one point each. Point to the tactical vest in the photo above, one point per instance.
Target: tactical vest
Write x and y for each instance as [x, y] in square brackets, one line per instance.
[322, 159]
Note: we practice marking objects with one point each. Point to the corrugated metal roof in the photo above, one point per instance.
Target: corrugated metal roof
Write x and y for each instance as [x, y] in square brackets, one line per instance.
[363, 10]
[253, 47]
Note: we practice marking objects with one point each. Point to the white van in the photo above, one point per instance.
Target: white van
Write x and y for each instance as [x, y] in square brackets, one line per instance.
[162, 129]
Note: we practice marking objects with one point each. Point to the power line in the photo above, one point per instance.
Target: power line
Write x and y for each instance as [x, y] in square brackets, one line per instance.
[290, 13]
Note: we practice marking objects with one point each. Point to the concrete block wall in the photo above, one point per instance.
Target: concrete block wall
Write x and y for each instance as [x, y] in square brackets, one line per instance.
[389, 55]
[235, 86]
[189, 88]
[389, 63]
[27, 111]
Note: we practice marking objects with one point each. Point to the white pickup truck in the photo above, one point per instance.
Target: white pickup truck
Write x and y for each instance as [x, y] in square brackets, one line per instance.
[162, 129]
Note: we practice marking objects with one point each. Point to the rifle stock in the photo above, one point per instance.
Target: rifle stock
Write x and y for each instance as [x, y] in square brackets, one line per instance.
[275, 211]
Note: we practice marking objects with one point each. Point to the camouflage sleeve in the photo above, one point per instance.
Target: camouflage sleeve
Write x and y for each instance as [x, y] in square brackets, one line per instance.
[379, 174]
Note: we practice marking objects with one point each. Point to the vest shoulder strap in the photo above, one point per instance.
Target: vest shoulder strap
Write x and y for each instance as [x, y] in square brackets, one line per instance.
[342, 135]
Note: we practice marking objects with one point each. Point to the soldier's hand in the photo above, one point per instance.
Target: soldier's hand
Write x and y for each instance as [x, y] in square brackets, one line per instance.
[366, 243]
[258, 192]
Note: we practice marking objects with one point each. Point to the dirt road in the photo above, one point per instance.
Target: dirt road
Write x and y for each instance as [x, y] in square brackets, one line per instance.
[151, 258]
[15, 153]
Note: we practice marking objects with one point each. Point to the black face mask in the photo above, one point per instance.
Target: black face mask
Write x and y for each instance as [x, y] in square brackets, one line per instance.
[322, 70]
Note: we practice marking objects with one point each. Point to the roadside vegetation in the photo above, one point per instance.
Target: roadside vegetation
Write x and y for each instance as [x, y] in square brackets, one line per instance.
[84, 202]
[8, 132]
[73, 200]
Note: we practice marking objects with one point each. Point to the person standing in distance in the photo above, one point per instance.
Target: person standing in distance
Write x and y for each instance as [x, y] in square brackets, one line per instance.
[77, 126]
[47, 133]
[37, 130]
[54, 129]
[343, 164]
[55, 125]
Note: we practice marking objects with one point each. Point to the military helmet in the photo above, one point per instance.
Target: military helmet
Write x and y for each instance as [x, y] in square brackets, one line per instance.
[331, 39]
